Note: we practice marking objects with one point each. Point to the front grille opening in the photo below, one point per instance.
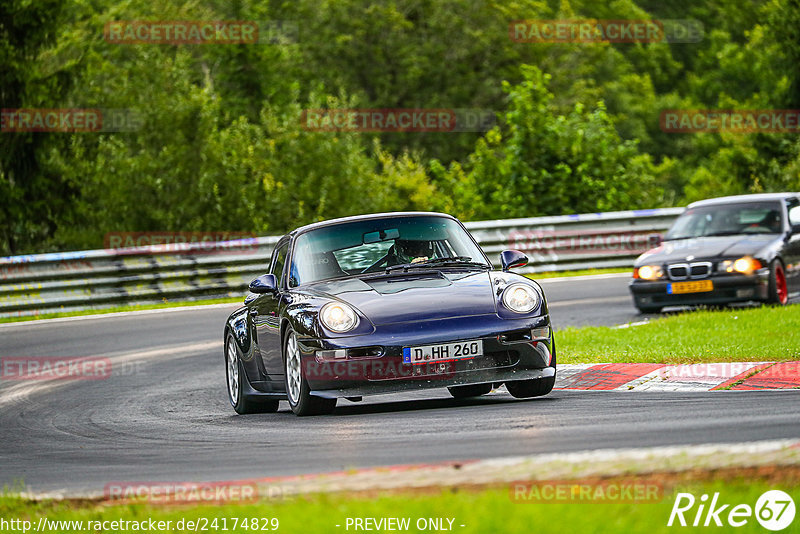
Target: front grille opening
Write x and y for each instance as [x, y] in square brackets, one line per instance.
[700, 270]
[515, 337]
[677, 272]
[365, 352]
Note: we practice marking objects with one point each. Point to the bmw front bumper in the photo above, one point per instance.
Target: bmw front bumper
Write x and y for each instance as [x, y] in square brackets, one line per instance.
[728, 288]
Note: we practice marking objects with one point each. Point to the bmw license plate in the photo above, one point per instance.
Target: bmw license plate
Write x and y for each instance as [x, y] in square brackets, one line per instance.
[700, 286]
[462, 350]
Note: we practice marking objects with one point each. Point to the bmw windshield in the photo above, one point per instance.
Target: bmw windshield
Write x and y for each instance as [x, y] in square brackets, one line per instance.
[728, 219]
[378, 245]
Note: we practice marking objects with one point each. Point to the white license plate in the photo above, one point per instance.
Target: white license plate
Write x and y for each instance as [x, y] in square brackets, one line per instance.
[443, 352]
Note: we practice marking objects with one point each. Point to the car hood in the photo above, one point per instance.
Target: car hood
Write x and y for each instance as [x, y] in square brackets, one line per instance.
[414, 296]
[707, 248]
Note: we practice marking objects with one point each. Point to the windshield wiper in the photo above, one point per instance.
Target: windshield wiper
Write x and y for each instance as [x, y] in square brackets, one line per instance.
[464, 261]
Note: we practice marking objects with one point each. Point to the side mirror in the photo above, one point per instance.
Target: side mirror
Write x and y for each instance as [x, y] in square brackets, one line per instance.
[266, 283]
[794, 218]
[512, 258]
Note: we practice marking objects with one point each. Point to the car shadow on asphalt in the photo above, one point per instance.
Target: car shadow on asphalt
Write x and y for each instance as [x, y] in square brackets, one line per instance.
[345, 410]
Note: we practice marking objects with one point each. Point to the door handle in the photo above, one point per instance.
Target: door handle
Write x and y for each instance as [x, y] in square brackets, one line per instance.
[253, 312]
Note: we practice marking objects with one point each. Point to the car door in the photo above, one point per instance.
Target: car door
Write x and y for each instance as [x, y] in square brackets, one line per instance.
[264, 311]
[791, 251]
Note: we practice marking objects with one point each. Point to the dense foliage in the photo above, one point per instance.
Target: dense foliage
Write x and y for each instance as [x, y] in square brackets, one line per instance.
[221, 146]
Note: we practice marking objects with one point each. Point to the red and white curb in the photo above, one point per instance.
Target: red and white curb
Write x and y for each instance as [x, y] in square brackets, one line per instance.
[684, 377]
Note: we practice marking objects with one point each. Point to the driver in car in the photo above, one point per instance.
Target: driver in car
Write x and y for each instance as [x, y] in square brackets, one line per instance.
[409, 251]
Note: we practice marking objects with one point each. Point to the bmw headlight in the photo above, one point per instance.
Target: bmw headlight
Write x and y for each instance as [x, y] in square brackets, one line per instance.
[520, 298]
[648, 272]
[338, 317]
[744, 265]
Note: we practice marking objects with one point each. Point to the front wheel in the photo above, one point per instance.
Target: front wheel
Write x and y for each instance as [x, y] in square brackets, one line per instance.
[534, 387]
[235, 377]
[297, 391]
[778, 291]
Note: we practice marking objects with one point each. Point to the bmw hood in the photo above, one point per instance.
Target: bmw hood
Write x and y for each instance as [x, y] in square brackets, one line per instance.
[708, 248]
[414, 296]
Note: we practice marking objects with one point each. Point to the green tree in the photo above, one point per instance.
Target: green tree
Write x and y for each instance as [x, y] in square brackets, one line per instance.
[542, 163]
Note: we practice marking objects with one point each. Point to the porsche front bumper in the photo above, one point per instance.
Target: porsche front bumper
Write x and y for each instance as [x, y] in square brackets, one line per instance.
[518, 349]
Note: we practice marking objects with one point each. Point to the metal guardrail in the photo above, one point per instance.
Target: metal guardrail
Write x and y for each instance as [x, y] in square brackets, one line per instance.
[93, 279]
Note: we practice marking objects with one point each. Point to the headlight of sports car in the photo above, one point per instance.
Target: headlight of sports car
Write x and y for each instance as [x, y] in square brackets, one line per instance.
[338, 317]
[648, 272]
[520, 298]
[743, 265]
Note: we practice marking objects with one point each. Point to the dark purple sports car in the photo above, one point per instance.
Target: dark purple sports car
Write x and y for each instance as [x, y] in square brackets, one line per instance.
[386, 303]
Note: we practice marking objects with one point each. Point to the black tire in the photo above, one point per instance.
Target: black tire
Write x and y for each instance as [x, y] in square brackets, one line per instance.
[297, 393]
[235, 377]
[465, 392]
[535, 387]
[778, 291]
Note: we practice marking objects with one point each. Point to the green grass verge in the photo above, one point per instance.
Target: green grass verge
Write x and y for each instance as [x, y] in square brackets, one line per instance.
[481, 511]
[582, 272]
[116, 309]
[745, 334]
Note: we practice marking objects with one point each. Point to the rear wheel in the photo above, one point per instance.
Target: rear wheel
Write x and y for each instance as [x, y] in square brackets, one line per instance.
[297, 390]
[464, 392]
[235, 377]
[778, 291]
[535, 387]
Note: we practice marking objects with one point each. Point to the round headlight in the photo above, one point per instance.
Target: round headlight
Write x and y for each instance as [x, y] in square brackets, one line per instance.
[744, 265]
[649, 272]
[520, 298]
[338, 317]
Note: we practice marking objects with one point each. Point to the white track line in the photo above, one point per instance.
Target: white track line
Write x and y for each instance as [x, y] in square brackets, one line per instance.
[35, 322]
[582, 277]
[25, 388]
[541, 467]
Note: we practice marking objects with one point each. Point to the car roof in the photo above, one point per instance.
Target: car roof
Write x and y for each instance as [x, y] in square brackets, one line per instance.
[762, 197]
[386, 215]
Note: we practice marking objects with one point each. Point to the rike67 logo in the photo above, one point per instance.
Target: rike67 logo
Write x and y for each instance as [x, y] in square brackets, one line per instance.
[774, 510]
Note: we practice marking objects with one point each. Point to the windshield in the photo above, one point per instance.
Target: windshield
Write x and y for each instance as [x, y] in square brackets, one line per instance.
[728, 219]
[374, 245]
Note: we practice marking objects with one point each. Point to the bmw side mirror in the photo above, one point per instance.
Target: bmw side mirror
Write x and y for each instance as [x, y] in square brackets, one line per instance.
[654, 240]
[512, 258]
[266, 283]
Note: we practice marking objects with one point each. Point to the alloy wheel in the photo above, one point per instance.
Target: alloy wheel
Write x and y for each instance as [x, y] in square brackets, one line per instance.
[232, 357]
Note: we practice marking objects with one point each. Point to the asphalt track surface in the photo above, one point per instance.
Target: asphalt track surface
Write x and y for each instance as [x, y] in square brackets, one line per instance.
[163, 414]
